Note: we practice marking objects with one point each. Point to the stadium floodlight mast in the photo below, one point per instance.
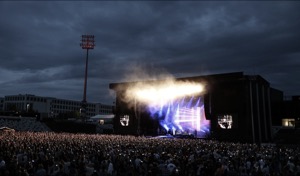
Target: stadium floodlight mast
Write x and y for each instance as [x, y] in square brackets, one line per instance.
[87, 42]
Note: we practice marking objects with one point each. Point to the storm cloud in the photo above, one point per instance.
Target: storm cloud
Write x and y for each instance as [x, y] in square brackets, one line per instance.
[40, 52]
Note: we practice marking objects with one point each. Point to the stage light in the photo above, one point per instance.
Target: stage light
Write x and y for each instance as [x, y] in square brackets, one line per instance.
[164, 92]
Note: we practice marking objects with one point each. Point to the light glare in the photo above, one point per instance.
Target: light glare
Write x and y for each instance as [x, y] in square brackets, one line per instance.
[162, 93]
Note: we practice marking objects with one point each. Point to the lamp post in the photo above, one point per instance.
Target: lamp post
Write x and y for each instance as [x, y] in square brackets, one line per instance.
[87, 42]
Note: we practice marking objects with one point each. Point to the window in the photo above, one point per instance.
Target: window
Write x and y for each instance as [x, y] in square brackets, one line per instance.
[288, 122]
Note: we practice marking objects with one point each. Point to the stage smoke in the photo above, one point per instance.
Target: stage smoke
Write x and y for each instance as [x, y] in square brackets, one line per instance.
[155, 87]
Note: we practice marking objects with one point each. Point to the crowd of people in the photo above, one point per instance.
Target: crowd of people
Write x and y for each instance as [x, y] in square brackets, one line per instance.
[60, 154]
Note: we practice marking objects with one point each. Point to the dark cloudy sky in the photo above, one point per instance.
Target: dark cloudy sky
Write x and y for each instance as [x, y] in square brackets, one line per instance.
[40, 52]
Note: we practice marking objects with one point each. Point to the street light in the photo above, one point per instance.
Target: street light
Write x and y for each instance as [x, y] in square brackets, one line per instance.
[87, 42]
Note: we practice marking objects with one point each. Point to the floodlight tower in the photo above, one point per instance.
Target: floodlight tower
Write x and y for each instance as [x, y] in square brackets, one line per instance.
[87, 42]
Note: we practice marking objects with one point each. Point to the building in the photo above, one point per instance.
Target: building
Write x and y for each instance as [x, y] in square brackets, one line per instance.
[1, 104]
[50, 107]
[277, 104]
[287, 126]
[291, 112]
[237, 106]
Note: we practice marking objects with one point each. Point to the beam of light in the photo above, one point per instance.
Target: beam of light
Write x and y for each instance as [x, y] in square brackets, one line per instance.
[166, 127]
[180, 127]
[198, 101]
[160, 113]
[198, 117]
[182, 102]
[167, 114]
[190, 102]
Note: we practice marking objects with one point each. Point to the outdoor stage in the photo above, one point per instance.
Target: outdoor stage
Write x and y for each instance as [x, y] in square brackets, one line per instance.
[229, 107]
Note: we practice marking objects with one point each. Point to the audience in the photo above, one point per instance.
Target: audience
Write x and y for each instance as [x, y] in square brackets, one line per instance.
[60, 154]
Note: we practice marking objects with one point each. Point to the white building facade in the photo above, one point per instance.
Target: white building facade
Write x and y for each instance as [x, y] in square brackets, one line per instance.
[51, 107]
